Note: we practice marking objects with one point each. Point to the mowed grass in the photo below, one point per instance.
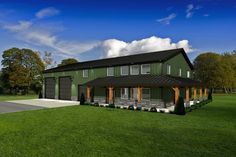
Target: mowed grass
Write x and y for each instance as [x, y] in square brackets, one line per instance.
[83, 131]
[17, 97]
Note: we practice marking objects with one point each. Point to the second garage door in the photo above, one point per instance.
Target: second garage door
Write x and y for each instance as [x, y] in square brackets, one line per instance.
[65, 88]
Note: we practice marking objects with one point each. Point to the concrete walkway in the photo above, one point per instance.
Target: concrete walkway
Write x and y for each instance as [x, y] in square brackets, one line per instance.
[46, 103]
[6, 107]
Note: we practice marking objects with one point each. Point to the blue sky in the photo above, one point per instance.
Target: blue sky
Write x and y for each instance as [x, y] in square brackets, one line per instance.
[103, 28]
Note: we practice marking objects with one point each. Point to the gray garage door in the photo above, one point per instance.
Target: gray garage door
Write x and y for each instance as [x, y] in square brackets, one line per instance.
[65, 88]
[50, 88]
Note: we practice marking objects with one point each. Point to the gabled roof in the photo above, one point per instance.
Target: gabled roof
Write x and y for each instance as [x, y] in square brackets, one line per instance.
[145, 81]
[158, 56]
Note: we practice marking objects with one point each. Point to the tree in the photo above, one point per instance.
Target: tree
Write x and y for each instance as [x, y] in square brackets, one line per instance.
[21, 68]
[48, 60]
[68, 61]
[215, 70]
[179, 107]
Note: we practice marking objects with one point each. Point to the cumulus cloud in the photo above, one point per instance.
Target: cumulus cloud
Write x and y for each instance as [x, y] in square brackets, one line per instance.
[191, 10]
[166, 20]
[47, 12]
[114, 47]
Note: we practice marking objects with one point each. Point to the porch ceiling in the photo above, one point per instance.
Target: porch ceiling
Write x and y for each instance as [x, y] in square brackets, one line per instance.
[145, 81]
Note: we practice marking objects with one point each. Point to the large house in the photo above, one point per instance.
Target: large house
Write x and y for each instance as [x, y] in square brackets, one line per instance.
[156, 78]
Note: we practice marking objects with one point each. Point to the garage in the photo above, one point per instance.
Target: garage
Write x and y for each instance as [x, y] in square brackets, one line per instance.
[65, 88]
[50, 87]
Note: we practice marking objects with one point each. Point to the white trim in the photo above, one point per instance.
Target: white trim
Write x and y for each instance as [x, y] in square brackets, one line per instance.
[168, 69]
[180, 72]
[84, 72]
[122, 70]
[142, 69]
[108, 72]
[131, 71]
[188, 74]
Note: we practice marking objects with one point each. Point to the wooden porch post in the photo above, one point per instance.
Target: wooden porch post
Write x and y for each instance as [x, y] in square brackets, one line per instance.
[88, 93]
[139, 94]
[110, 94]
[200, 92]
[205, 92]
[194, 93]
[187, 94]
[176, 89]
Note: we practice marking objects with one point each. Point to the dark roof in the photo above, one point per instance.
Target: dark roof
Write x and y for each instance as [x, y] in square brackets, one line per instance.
[145, 80]
[159, 56]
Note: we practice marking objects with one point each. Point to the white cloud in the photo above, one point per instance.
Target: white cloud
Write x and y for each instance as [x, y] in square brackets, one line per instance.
[47, 12]
[191, 10]
[33, 34]
[206, 15]
[167, 19]
[22, 25]
[114, 47]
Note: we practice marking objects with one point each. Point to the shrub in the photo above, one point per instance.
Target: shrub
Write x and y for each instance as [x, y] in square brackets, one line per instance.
[117, 106]
[40, 95]
[210, 96]
[82, 99]
[162, 111]
[131, 107]
[179, 107]
[111, 106]
[153, 109]
[139, 108]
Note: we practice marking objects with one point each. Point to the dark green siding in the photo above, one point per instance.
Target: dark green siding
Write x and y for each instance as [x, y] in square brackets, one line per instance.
[156, 93]
[168, 94]
[176, 63]
[99, 91]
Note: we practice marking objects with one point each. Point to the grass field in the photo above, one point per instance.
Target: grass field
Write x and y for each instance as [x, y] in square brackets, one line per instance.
[91, 131]
[17, 97]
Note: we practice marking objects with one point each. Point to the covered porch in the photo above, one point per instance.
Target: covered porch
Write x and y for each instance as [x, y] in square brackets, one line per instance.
[147, 91]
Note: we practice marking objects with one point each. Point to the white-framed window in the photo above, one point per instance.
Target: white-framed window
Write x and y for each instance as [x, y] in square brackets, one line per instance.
[134, 93]
[124, 93]
[124, 70]
[180, 72]
[188, 74]
[85, 73]
[110, 71]
[145, 69]
[168, 69]
[146, 93]
[134, 69]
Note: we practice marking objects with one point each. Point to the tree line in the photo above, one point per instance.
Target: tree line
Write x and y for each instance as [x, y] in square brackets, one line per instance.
[22, 70]
[217, 71]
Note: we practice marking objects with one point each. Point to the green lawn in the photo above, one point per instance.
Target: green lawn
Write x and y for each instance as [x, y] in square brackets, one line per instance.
[91, 131]
[17, 97]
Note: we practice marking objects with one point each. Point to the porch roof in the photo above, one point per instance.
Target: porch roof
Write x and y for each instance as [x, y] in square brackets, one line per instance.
[145, 81]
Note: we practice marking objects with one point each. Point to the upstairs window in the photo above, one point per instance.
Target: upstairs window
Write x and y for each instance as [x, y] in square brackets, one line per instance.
[134, 69]
[124, 70]
[110, 71]
[85, 73]
[168, 69]
[145, 69]
[180, 72]
[188, 74]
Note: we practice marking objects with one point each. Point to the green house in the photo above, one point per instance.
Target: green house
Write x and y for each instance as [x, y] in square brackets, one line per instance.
[149, 79]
